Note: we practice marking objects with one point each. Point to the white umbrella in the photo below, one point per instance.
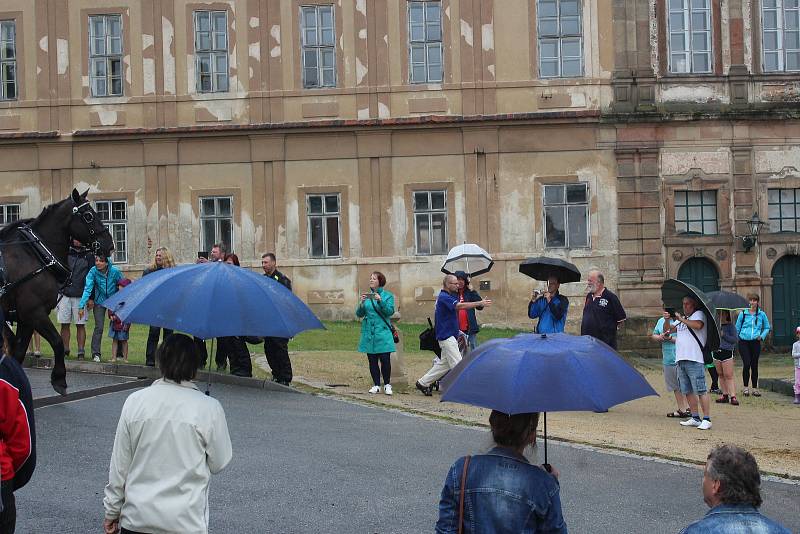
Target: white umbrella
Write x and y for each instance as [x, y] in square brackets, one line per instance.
[469, 258]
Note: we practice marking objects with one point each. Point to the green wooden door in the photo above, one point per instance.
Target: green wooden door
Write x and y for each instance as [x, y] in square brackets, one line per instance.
[785, 300]
[701, 273]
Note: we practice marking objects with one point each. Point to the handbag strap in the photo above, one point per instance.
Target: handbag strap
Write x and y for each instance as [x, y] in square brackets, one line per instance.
[461, 497]
[691, 331]
[380, 315]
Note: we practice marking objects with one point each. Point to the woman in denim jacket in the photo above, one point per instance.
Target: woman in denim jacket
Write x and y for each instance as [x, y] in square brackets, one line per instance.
[504, 492]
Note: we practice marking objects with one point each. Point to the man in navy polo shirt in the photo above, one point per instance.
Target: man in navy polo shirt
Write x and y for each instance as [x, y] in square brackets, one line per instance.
[446, 314]
[602, 311]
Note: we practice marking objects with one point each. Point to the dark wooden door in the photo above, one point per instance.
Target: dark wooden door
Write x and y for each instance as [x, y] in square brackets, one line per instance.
[785, 300]
[701, 273]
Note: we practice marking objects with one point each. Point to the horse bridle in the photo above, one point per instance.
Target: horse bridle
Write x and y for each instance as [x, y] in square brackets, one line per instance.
[87, 215]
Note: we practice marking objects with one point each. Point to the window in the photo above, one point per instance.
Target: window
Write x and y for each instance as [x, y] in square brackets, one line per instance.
[8, 214]
[689, 36]
[430, 221]
[216, 222]
[323, 226]
[566, 216]
[560, 38]
[211, 51]
[780, 27]
[8, 60]
[319, 60]
[784, 210]
[425, 41]
[114, 213]
[696, 212]
[105, 55]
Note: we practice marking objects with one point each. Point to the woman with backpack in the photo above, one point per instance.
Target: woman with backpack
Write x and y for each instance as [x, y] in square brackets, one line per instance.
[375, 308]
[752, 327]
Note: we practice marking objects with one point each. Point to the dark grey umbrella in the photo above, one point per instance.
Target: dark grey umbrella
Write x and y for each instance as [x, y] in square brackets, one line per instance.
[725, 300]
[542, 268]
[672, 293]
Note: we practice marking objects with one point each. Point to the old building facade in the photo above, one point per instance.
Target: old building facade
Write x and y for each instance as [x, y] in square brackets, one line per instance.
[347, 136]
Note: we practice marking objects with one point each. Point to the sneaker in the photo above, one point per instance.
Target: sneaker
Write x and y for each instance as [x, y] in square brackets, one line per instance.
[756, 393]
[375, 389]
[746, 392]
[427, 391]
[734, 401]
[705, 425]
[387, 389]
[691, 422]
[716, 391]
[96, 358]
[81, 355]
[723, 400]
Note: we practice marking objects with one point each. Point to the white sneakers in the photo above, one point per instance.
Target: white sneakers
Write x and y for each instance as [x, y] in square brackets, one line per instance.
[96, 358]
[375, 389]
[387, 389]
[705, 424]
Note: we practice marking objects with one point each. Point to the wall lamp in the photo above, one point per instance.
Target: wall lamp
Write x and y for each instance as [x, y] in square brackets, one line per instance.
[754, 225]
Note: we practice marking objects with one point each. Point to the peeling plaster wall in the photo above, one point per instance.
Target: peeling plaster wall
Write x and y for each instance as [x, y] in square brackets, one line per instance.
[774, 161]
[679, 162]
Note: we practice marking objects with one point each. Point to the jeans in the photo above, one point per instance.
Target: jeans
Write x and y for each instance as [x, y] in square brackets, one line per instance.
[152, 343]
[692, 377]
[97, 334]
[472, 339]
[385, 368]
[750, 351]
[8, 515]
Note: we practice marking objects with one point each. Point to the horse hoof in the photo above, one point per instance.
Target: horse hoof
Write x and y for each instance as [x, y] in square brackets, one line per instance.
[61, 390]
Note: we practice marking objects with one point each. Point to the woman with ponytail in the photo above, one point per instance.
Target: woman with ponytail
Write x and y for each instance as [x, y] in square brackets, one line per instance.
[752, 327]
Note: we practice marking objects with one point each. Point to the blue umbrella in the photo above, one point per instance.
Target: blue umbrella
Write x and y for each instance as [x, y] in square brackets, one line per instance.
[544, 373]
[210, 300]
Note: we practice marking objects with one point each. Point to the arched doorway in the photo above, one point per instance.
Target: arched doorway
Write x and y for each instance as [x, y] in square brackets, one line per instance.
[701, 273]
[785, 300]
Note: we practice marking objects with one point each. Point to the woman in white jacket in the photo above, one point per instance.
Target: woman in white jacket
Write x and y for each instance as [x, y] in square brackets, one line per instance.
[170, 439]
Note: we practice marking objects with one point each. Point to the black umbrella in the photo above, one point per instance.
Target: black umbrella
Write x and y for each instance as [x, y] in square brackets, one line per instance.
[672, 293]
[725, 300]
[542, 268]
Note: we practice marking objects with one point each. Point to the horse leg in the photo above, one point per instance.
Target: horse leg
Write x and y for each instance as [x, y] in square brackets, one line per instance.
[58, 376]
[21, 341]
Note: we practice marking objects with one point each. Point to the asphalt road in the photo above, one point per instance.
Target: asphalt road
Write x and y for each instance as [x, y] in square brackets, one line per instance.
[304, 463]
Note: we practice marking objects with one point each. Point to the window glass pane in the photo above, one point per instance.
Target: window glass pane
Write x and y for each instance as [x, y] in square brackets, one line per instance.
[570, 26]
[710, 197]
[115, 27]
[433, 31]
[435, 73]
[548, 68]
[203, 20]
[220, 18]
[328, 78]
[222, 82]
[220, 63]
[790, 20]
[695, 227]
[116, 67]
[418, 74]
[327, 57]
[99, 87]
[554, 226]
[680, 213]
[553, 194]
[771, 61]
[678, 42]
[224, 207]
[433, 12]
[676, 22]
[693, 198]
[203, 41]
[681, 227]
[310, 58]
[695, 213]
[311, 77]
[680, 198]
[423, 234]
[418, 54]
[415, 12]
[327, 37]
[699, 21]
[548, 49]
[332, 226]
[226, 233]
[571, 67]
[547, 8]
[331, 203]
[701, 62]
[437, 200]
[438, 233]
[710, 228]
[420, 201]
[417, 32]
[548, 27]
[207, 207]
[773, 195]
[569, 7]
[103, 210]
[571, 48]
[578, 217]
[770, 20]
[700, 41]
[576, 193]
[315, 204]
[326, 15]
[208, 229]
[220, 41]
[792, 61]
[787, 211]
[770, 40]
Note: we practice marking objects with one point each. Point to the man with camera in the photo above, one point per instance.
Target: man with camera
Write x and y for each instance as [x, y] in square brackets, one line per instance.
[550, 307]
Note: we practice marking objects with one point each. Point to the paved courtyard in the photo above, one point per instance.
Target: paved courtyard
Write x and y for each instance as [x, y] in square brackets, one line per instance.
[305, 463]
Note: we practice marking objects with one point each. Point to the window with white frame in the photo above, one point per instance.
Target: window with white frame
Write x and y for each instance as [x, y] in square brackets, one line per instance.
[216, 222]
[114, 214]
[560, 35]
[425, 42]
[211, 51]
[319, 38]
[8, 213]
[430, 221]
[566, 215]
[105, 55]
[689, 36]
[8, 60]
[780, 35]
[696, 212]
[784, 210]
[324, 227]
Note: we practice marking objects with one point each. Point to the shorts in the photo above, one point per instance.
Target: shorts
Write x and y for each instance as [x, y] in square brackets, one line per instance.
[692, 377]
[722, 355]
[671, 378]
[67, 311]
[119, 335]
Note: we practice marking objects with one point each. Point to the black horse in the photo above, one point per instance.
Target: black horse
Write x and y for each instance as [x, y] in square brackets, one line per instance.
[34, 258]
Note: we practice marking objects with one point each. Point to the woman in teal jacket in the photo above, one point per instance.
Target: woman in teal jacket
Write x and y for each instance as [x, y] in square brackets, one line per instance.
[752, 327]
[101, 283]
[377, 340]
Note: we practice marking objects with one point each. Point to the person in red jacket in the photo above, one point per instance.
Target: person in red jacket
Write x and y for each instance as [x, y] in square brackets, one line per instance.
[17, 438]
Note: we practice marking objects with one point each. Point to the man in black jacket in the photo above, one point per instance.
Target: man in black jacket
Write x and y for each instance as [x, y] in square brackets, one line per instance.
[79, 261]
[277, 348]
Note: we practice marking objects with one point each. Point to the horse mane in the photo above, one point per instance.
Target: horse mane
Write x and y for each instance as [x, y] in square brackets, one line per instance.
[8, 229]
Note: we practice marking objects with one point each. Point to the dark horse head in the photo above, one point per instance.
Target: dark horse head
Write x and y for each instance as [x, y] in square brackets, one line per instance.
[85, 225]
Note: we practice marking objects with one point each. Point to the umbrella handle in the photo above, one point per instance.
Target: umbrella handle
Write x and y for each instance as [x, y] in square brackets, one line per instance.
[546, 465]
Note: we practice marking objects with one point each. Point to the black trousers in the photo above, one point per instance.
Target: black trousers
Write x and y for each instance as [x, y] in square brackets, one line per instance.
[712, 372]
[385, 367]
[277, 352]
[235, 350]
[8, 517]
[750, 352]
[152, 343]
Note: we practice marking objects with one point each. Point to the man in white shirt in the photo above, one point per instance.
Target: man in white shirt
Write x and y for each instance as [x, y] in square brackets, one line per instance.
[689, 357]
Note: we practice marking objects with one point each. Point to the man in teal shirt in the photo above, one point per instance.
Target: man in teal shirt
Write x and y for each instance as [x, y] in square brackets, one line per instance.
[670, 368]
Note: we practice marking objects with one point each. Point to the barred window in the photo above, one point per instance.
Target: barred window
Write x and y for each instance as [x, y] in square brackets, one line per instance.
[689, 36]
[319, 38]
[425, 42]
[8, 213]
[780, 34]
[105, 55]
[324, 226]
[114, 214]
[560, 34]
[216, 222]
[784, 210]
[8, 60]
[566, 215]
[696, 212]
[211, 51]
[430, 222]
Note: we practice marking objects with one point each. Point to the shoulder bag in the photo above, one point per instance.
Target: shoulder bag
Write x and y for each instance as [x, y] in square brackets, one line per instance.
[395, 334]
[707, 357]
[461, 496]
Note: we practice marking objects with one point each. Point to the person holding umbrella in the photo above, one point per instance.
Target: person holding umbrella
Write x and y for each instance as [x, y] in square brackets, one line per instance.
[467, 321]
[550, 307]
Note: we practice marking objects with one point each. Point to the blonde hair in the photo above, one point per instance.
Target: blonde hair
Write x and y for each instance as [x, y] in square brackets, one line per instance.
[167, 260]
